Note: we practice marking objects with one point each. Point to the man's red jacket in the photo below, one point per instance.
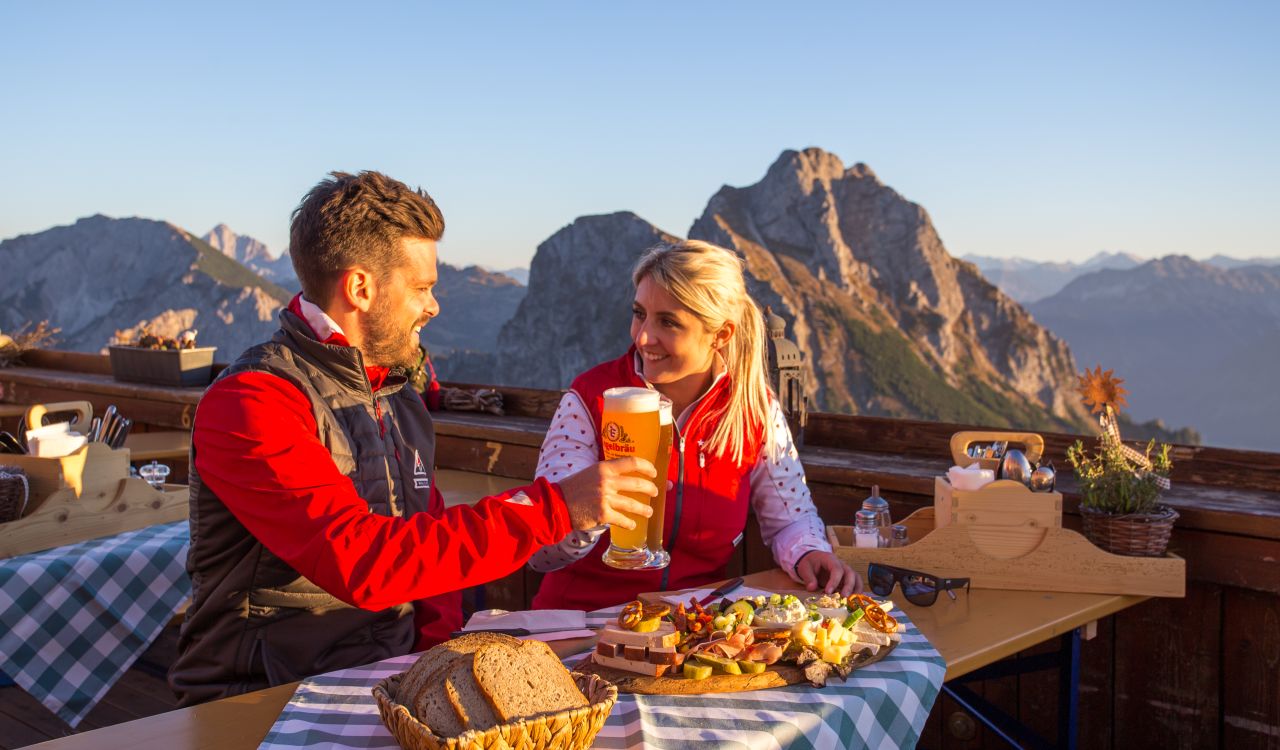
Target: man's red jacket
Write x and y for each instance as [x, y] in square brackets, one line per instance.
[256, 447]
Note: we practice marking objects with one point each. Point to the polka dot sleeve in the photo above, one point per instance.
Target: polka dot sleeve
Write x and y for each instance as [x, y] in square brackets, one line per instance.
[569, 446]
[789, 522]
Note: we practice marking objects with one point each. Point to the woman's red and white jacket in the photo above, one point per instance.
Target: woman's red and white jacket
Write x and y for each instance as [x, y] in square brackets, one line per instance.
[706, 508]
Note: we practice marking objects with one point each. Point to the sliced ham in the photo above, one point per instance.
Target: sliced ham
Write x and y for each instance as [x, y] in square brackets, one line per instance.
[766, 652]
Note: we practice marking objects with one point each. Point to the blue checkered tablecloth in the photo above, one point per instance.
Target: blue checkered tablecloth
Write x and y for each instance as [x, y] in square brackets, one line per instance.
[883, 705]
[75, 618]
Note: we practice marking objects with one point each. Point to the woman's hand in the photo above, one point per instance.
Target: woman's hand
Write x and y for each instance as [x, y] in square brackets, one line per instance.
[817, 568]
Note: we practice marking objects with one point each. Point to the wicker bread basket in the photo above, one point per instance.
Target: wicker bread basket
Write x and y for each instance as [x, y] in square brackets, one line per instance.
[576, 728]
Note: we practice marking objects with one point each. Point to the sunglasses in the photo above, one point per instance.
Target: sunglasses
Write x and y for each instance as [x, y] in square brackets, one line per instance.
[920, 589]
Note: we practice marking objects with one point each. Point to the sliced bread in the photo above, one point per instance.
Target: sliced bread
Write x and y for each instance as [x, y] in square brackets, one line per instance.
[442, 655]
[434, 706]
[468, 701]
[525, 682]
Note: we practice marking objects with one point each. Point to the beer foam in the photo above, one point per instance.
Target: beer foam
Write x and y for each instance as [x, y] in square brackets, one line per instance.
[664, 412]
[632, 400]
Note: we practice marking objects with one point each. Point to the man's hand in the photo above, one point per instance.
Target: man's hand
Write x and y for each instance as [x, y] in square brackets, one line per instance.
[594, 494]
[817, 568]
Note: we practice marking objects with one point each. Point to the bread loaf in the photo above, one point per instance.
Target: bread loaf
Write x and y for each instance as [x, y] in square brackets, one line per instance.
[480, 680]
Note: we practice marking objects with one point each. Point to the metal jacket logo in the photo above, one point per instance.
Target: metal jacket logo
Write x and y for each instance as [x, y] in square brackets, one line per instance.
[617, 440]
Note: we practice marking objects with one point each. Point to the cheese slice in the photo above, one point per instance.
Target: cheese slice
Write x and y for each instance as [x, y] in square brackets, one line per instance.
[870, 635]
[664, 637]
[640, 667]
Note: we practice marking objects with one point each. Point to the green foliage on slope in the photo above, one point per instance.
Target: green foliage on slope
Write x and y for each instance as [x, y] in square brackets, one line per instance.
[231, 272]
[895, 370]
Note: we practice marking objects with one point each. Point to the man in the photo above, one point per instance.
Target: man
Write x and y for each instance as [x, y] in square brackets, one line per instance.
[318, 538]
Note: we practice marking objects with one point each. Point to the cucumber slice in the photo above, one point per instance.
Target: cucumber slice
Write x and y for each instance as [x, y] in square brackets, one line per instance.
[742, 611]
[853, 618]
[696, 671]
[720, 664]
[649, 625]
[751, 667]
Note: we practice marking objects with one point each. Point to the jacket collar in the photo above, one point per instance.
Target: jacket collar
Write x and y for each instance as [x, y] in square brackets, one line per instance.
[323, 340]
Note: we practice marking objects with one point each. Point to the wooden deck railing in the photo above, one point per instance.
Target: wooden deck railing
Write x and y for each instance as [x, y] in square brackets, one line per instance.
[1197, 672]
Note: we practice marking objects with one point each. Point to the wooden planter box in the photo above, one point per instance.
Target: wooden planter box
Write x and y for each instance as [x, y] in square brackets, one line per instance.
[173, 367]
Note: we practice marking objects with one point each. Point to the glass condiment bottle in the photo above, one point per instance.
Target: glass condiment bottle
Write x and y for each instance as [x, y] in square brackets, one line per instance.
[155, 473]
[899, 536]
[866, 531]
[880, 507]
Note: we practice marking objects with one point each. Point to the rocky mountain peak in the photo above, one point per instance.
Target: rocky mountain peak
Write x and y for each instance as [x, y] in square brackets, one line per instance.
[836, 248]
[254, 254]
[577, 311]
[892, 324]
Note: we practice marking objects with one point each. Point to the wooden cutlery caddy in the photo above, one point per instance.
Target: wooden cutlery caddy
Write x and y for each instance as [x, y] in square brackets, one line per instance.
[84, 495]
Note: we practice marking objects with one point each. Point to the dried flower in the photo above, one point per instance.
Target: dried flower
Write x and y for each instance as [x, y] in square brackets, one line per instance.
[1100, 389]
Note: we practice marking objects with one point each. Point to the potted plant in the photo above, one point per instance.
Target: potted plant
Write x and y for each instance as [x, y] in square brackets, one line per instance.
[1119, 486]
[160, 360]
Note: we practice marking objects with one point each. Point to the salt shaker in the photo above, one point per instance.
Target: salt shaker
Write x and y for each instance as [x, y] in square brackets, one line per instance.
[866, 532]
[880, 507]
[899, 536]
[155, 473]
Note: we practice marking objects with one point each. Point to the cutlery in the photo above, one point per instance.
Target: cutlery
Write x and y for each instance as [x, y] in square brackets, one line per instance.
[721, 592]
[513, 631]
[10, 444]
[122, 432]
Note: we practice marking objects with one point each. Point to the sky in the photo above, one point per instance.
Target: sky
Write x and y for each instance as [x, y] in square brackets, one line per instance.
[1048, 131]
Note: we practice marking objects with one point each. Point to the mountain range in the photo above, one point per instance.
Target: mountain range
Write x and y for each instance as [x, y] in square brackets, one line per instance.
[891, 323]
[1196, 343]
[1029, 281]
[103, 279]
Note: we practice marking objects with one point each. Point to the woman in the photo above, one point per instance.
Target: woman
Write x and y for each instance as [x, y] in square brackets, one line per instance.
[698, 339]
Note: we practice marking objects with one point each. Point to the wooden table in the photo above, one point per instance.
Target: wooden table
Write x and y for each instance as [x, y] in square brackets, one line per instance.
[981, 627]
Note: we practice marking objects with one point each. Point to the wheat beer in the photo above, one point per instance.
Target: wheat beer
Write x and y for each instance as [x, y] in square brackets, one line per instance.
[658, 557]
[629, 426]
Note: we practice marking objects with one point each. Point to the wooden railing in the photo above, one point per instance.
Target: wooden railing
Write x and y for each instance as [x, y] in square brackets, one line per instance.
[1203, 671]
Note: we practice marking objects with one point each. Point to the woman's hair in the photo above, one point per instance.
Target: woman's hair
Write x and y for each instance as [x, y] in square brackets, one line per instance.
[707, 280]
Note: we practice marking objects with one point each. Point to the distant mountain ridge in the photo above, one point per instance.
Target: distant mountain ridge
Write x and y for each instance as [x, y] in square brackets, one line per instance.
[254, 255]
[1029, 281]
[1196, 343]
[101, 278]
[893, 325]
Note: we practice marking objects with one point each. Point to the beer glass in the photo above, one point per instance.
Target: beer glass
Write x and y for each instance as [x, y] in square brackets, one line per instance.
[629, 426]
[658, 557]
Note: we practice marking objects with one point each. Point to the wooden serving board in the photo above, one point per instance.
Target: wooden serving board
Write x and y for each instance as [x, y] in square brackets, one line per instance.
[778, 675]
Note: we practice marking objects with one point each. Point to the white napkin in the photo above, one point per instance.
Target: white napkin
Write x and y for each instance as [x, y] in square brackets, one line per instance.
[738, 593]
[573, 623]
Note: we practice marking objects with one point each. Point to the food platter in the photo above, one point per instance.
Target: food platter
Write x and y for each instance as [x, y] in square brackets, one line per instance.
[753, 643]
[774, 676]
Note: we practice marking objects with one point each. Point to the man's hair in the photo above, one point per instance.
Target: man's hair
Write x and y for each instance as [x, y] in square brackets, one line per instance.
[356, 220]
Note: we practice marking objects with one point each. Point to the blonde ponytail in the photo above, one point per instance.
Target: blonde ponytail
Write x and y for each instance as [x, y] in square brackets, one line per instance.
[708, 281]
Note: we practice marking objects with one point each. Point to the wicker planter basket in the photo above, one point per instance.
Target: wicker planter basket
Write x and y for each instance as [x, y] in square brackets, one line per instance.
[14, 493]
[1137, 534]
[568, 729]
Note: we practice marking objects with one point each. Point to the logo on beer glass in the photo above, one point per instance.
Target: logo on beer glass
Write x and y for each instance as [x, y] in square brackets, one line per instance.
[617, 439]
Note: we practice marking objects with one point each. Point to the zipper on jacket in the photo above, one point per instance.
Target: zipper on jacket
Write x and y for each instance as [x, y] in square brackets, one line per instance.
[675, 523]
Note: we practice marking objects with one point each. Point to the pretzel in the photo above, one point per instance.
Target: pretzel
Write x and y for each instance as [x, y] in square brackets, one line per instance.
[877, 617]
[631, 615]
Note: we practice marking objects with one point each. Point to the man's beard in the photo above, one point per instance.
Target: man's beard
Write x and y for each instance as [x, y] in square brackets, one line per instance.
[386, 343]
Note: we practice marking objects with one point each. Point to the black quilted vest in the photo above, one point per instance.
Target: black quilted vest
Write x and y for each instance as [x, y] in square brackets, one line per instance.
[254, 621]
